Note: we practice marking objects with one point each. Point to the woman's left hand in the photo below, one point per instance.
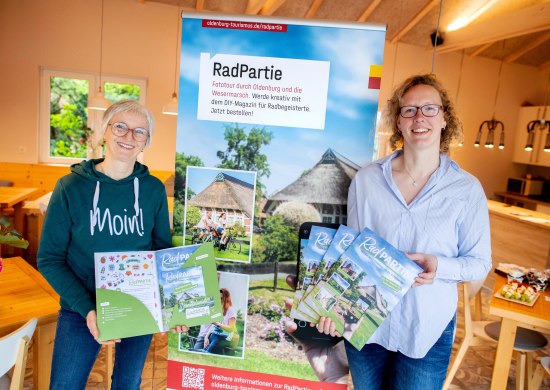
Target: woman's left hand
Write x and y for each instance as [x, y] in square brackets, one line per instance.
[428, 264]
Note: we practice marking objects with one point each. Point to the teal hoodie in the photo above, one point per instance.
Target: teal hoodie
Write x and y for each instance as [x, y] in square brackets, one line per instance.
[90, 212]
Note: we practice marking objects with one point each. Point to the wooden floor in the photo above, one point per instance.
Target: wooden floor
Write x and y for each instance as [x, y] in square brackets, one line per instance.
[474, 373]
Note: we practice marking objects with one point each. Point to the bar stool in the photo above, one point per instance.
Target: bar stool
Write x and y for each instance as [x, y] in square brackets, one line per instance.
[526, 343]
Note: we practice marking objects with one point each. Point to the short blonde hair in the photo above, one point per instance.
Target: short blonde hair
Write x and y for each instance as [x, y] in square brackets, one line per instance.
[453, 130]
[132, 106]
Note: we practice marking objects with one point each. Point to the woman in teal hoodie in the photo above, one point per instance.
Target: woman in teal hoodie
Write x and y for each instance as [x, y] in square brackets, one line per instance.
[110, 204]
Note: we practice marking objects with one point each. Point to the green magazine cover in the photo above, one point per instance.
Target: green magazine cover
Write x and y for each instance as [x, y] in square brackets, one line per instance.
[144, 292]
[369, 280]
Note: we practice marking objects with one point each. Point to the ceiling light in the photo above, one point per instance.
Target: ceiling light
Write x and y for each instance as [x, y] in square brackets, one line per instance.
[478, 138]
[99, 102]
[463, 21]
[171, 108]
[530, 135]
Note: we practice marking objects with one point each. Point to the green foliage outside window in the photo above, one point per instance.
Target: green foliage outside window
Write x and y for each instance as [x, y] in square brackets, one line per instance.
[69, 132]
[68, 117]
[115, 91]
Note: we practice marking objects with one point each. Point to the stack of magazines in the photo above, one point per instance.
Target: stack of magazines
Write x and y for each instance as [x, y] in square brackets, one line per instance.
[356, 279]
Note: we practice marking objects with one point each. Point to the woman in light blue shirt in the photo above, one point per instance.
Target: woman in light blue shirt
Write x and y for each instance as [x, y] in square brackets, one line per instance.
[420, 201]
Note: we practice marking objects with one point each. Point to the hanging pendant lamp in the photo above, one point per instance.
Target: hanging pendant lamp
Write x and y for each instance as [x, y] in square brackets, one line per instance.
[99, 101]
[492, 125]
[539, 124]
[171, 108]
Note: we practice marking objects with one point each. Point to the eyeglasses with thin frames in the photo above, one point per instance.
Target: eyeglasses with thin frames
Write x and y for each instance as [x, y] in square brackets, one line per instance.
[120, 129]
[428, 110]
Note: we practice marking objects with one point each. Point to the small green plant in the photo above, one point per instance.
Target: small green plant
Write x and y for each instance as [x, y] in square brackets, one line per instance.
[10, 236]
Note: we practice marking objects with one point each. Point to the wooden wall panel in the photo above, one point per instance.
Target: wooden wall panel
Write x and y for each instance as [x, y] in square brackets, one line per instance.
[44, 176]
[519, 243]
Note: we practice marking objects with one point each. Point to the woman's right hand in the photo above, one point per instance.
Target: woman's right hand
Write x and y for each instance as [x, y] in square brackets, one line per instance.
[91, 322]
[206, 342]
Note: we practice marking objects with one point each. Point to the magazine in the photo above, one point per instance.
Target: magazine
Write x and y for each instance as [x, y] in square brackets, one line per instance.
[370, 278]
[340, 242]
[318, 243]
[145, 292]
[343, 238]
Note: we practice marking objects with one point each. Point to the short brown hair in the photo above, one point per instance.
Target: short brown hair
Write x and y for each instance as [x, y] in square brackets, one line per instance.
[453, 130]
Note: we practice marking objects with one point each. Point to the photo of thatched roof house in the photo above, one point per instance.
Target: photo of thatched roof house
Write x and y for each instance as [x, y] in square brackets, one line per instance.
[226, 193]
[372, 297]
[325, 187]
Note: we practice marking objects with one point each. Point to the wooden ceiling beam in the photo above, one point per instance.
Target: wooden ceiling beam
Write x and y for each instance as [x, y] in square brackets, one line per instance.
[480, 49]
[528, 47]
[254, 6]
[513, 24]
[313, 9]
[271, 6]
[200, 5]
[369, 10]
[415, 20]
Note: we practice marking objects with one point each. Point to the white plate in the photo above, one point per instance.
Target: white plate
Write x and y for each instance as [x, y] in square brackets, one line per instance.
[530, 304]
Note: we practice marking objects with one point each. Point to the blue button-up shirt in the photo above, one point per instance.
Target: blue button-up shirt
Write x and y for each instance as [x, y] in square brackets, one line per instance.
[449, 219]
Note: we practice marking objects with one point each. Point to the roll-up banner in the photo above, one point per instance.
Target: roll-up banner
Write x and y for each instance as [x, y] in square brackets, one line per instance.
[275, 116]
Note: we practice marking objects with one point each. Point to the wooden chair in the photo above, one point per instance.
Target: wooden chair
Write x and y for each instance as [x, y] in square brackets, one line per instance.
[109, 362]
[471, 338]
[477, 332]
[13, 353]
[543, 368]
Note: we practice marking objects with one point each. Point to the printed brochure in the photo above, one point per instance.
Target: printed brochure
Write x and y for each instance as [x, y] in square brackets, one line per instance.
[340, 242]
[368, 281]
[318, 243]
[145, 292]
[343, 238]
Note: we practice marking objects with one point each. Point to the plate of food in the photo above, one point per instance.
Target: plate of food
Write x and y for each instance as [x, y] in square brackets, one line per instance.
[518, 293]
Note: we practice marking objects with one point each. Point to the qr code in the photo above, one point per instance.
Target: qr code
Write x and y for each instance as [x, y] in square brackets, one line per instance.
[192, 378]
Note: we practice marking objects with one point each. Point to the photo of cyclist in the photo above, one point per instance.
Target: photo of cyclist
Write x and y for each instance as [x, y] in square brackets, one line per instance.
[221, 225]
[220, 210]
[206, 224]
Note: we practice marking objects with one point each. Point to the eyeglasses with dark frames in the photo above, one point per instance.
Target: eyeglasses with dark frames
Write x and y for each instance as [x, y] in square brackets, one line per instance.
[428, 110]
[120, 129]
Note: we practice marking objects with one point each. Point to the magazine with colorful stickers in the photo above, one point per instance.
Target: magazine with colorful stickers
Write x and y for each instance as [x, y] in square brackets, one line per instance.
[145, 292]
[368, 281]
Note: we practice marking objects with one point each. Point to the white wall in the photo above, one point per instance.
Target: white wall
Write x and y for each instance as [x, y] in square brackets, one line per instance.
[139, 40]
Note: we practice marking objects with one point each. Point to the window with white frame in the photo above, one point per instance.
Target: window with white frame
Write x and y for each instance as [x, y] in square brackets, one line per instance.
[69, 132]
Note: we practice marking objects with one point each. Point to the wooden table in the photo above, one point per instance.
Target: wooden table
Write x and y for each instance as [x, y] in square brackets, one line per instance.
[25, 294]
[514, 315]
[14, 197]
